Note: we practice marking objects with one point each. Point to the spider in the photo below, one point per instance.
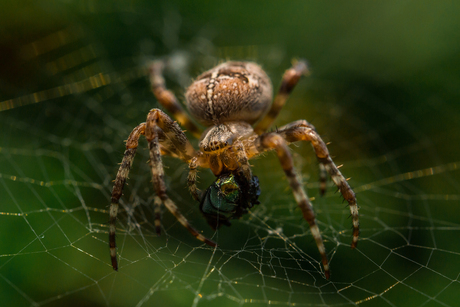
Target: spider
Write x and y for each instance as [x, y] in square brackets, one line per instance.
[234, 101]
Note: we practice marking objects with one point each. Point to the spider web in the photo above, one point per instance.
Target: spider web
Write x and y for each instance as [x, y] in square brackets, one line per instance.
[74, 87]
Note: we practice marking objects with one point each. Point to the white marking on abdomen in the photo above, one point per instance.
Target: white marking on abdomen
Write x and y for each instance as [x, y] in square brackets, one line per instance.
[210, 91]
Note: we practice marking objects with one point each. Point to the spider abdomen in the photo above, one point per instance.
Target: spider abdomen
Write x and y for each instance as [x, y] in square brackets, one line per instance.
[232, 91]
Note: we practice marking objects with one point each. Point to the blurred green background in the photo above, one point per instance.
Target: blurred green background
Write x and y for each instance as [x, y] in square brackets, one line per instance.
[384, 91]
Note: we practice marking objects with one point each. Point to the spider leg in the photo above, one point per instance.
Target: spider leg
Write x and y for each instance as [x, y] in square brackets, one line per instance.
[307, 133]
[269, 141]
[167, 147]
[322, 178]
[242, 159]
[122, 175]
[322, 168]
[290, 78]
[157, 213]
[196, 161]
[158, 119]
[167, 99]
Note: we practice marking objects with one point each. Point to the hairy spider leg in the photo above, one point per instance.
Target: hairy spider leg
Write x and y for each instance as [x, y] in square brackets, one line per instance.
[306, 133]
[290, 79]
[242, 158]
[173, 142]
[322, 178]
[157, 212]
[168, 148]
[167, 99]
[197, 160]
[158, 119]
[122, 175]
[273, 140]
[168, 139]
[322, 168]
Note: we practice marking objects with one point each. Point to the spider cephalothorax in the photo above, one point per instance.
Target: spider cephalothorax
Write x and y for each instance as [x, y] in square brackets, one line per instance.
[233, 100]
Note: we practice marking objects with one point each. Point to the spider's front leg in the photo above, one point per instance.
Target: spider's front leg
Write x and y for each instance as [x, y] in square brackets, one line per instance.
[157, 121]
[242, 158]
[322, 168]
[197, 160]
[269, 141]
[122, 175]
[302, 131]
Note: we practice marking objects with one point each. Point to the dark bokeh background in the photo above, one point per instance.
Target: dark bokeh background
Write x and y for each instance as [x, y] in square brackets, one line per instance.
[384, 90]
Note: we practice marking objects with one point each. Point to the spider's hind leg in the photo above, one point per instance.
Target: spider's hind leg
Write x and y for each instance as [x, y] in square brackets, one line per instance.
[290, 79]
[167, 99]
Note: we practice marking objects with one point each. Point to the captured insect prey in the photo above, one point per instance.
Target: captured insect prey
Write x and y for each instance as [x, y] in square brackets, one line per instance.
[229, 198]
[234, 102]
